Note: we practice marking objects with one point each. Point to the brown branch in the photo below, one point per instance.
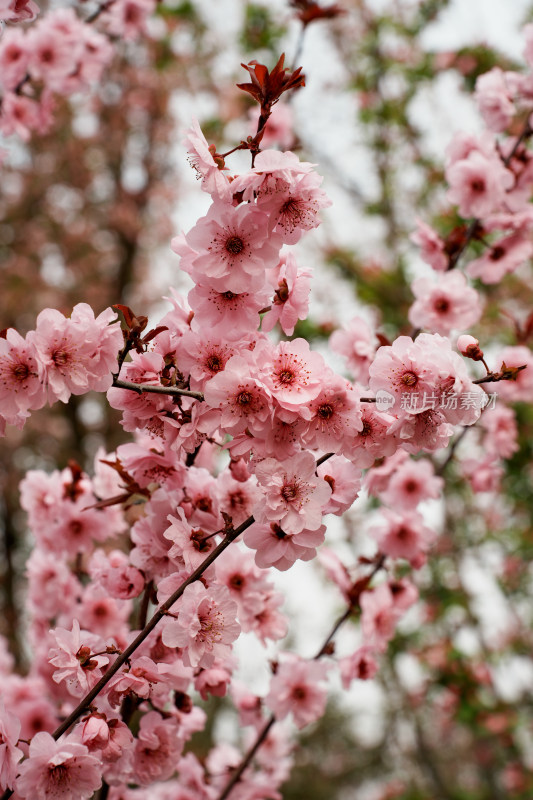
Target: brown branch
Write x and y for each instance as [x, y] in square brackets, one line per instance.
[142, 388]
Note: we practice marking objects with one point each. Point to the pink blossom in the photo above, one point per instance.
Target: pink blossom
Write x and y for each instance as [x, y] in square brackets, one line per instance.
[293, 372]
[202, 357]
[360, 665]
[50, 58]
[204, 625]
[431, 246]
[211, 173]
[74, 659]
[247, 584]
[484, 474]
[237, 497]
[13, 58]
[61, 770]
[403, 535]
[189, 545]
[444, 305]
[379, 616]
[128, 18]
[428, 431]
[27, 699]
[95, 732]
[374, 439]
[291, 299]
[10, 754]
[51, 584]
[230, 248]
[20, 115]
[76, 354]
[102, 614]
[356, 342]
[269, 622]
[425, 376]
[294, 495]
[501, 431]
[502, 258]
[150, 551]
[272, 174]
[478, 184]
[411, 483]
[344, 479]
[297, 687]
[247, 704]
[242, 401]
[136, 679]
[21, 387]
[149, 466]
[276, 548]
[157, 748]
[404, 593]
[404, 369]
[334, 416]
[227, 313]
[494, 99]
[117, 576]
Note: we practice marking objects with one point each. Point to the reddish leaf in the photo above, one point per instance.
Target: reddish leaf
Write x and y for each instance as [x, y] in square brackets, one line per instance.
[310, 12]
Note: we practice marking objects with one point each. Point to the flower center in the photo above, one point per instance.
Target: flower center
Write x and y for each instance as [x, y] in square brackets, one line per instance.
[21, 371]
[58, 775]
[244, 398]
[442, 305]
[367, 429]
[325, 411]
[234, 245]
[75, 527]
[214, 363]
[289, 492]
[409, 379]
[60, 358]
[286, 376]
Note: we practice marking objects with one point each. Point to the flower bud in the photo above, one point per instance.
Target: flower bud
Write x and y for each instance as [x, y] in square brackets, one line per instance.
[469, 347]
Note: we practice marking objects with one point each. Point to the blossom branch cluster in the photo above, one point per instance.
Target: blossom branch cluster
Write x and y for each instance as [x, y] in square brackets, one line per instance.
[241, 434]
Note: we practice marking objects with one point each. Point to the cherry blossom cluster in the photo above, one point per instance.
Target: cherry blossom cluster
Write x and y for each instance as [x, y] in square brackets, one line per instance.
[60, 55]
[490, 179]
[61, 357]
[139, 583]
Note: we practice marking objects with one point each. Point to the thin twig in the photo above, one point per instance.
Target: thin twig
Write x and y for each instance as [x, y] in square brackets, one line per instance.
[142, 388]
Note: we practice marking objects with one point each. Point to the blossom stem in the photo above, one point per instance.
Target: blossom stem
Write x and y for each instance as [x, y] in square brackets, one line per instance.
[494, 377]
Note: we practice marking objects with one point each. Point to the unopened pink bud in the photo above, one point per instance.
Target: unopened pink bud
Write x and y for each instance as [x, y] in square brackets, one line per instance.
[469, 346]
